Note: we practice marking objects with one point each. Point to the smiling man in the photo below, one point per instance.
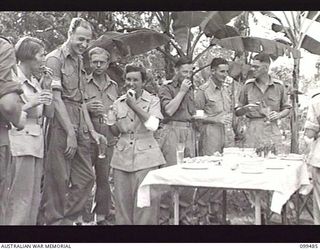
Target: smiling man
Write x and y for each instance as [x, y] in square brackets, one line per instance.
[100, 93]
[215, 99]
[272, 100]
[69, 175]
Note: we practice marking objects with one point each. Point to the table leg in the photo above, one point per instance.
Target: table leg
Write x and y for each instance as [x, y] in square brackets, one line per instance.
[224, 207]
[176, 206]
[284, 215]
[257, 208]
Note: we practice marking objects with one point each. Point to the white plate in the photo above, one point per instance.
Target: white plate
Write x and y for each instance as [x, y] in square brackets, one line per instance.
[251, 171]
[194, 166]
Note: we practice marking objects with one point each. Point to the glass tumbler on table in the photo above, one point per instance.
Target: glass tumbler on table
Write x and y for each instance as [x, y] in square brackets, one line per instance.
[180, 153]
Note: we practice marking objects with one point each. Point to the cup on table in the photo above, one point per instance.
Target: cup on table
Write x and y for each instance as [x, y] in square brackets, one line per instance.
[180, 152]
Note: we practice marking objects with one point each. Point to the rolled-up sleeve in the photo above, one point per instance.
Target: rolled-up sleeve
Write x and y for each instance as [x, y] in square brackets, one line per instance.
[242, 99]
[165, 96]
[7, 62]
[313, 118]
[200, 99]
[284, 100]
[155, 108]
[55, 64]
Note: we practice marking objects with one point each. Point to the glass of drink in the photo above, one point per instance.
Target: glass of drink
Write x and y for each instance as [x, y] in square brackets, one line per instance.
[101, 149]
[267, 113]
[110, 117]
[180, 152]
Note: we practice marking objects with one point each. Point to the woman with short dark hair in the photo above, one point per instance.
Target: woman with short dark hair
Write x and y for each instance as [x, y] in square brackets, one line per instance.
[137, 152]
[27, 145]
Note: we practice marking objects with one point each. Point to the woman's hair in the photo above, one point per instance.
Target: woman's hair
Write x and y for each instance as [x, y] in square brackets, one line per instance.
[27, 47]
[98, 51]
[134, 68]
[78, 22]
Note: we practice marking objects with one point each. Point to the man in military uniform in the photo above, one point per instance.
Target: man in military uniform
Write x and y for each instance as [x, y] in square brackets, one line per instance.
[10, 111]
[215, 99]
[69, 175]
[312, 135]
[264, 101]
[178, 108]
[101, 92]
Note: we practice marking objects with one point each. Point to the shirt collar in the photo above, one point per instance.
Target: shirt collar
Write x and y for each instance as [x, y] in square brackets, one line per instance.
[66, 52]
[270, 83]
[145, 96]
[90, 79]
[33, 82]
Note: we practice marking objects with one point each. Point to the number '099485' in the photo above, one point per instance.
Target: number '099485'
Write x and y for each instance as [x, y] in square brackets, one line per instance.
[308, 245]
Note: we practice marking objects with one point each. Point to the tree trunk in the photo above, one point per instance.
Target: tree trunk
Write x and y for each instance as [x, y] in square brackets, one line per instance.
[294, 111]
[168, 63]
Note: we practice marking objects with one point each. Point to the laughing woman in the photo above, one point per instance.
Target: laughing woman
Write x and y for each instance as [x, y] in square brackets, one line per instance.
[27, 145]
[137, 152]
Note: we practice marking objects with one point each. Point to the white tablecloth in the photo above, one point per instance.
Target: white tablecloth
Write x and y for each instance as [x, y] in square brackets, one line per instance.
[283, 182]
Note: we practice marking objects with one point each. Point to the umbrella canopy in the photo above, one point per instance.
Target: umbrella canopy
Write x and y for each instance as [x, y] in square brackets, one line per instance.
[132, 43]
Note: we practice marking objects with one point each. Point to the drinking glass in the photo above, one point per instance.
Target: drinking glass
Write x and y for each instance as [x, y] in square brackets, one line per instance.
[180, 152]
[101, 149]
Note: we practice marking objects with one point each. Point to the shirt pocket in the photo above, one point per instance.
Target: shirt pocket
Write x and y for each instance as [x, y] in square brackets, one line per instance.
[146, 144]
[70, 77]
[213, 105]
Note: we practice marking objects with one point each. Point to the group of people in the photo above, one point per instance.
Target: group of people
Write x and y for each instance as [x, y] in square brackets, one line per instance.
[62, 129]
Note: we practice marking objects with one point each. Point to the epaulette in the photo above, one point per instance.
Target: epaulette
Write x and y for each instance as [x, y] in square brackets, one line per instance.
[315, 95]
[122, 98]
[167, 82]
[204, 86]
[252, 80]
[278, 81]
[4, 38]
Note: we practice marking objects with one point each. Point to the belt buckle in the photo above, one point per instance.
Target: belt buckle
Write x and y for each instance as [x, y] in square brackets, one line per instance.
[101, 120]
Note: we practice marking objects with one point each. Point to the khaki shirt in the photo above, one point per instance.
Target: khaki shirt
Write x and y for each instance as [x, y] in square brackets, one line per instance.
[212, 99]
[313, 123]
[187, 107]
[30, 140]
[107, 94]
[274, 97]
[136, 149]
[7, 63]
[68, 73]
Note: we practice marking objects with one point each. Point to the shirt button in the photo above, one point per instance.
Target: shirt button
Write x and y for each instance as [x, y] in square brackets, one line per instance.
[132, 120]
[131, 143]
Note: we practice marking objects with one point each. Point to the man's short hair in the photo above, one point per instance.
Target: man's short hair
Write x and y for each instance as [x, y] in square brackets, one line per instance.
[27, 47]
[218, 61]
[78, 22]
[181, 61]
[262, 57]
[134, 68]
[98, 51]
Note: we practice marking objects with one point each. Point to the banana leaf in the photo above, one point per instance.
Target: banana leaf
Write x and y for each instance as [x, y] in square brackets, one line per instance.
[208, 21]
[257, 44]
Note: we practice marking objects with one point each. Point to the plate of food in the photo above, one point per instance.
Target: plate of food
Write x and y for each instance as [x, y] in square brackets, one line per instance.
[292, 157]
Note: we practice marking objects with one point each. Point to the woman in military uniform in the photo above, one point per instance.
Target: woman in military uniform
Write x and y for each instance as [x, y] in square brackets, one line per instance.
[137, 152]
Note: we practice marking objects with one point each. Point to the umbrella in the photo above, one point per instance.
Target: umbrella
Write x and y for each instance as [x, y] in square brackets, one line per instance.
[132, 43]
